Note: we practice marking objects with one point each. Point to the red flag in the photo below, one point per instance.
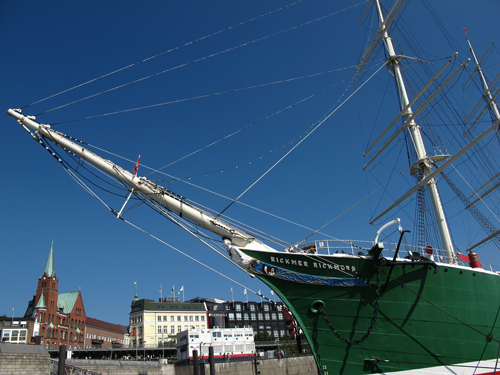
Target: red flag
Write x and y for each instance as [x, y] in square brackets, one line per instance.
[465, 30]
[133, 333]
[464, 257]
[136, 168]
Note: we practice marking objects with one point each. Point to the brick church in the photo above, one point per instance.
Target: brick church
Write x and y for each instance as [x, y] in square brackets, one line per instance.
[59, 318]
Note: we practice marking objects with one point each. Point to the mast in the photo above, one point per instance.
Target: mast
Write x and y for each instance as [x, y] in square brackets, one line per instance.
[487, 93]
[416, 136]
[142, 186]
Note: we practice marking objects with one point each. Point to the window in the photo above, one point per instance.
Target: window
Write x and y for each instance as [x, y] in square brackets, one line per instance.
[279, 307]
[266, 307]
[261, 316]
[172, 329]
[179, 328]
[280, 316]
[273, 316]
[252, 307]
[203, 318]
[253, 316]
[164, 318]
[159, 329]
[245, 316]
[275, 333]
[6, 335]
[238, 307]
[185, 318]
[172, 318]
[165, 329]
[179, 318]
[197, 318]
[238, 316]
[230, 316]
[267, 316]
[159, 318]
[190, 318]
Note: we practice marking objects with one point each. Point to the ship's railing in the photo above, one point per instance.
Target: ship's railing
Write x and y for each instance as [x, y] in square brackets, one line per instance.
[69, 369]
[361, 248]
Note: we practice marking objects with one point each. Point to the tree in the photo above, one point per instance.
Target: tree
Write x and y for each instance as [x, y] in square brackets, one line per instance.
[263, 336]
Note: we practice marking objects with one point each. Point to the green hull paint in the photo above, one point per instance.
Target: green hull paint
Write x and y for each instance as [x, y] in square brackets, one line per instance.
[424, 318]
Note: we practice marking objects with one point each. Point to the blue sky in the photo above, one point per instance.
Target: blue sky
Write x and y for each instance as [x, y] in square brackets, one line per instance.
[51, 46]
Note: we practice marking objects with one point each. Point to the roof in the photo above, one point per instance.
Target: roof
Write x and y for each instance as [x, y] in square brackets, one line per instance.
[91, 322]
[49, 266]
[41, 302]
[66, 301]
[151, 305]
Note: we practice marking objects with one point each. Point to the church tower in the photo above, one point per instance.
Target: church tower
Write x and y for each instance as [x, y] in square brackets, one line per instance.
[48, 286]
[60, 318]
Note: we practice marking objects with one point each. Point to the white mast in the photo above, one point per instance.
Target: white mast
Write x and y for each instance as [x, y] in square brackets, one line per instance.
[143, 186]
[423, 159]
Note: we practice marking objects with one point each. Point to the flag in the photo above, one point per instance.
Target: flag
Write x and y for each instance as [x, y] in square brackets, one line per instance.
[136, 168]
[245, 291]
[465, 30]
[181, 289]
[464, 258]
[135, 282]
[272, 292]
[160, 288]
[173, 290]
[133, 333]
[231, 291]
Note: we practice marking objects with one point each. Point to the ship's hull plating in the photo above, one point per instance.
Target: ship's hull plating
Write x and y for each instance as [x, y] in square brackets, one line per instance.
[432, 322]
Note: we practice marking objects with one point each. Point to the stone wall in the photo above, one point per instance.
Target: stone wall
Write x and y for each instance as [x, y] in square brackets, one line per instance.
[35, 360]
[18, 359]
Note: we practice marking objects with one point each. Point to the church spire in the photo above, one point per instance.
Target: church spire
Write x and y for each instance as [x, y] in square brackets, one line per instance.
[49, 267]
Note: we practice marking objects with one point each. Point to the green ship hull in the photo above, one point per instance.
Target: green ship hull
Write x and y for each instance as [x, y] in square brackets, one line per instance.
[427, 316]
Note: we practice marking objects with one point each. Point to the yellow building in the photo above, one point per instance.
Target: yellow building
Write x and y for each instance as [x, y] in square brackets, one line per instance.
[153, 323]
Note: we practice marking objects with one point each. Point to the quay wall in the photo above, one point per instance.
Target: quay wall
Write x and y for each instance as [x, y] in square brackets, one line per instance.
[286, 366]
[24, 359]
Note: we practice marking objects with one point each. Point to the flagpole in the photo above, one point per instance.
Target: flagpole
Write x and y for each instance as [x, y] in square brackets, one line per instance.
[182, 290]
[161, 293]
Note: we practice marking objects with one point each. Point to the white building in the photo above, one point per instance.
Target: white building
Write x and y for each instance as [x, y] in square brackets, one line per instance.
[237, 343]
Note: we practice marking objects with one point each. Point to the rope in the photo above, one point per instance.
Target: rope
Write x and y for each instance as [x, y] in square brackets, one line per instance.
[321, 122]
[201, 58]
[201, 97]
[372, 324]
[164, 52]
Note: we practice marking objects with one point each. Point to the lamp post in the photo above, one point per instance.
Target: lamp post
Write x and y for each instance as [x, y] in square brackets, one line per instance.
[201, 356]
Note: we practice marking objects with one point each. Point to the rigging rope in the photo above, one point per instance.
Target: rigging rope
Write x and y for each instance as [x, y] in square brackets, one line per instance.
[321, 122]
[165, 52]
[87, 189]
[202, 58]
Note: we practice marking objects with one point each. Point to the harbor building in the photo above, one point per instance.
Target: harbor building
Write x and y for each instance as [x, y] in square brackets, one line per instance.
[59, 318]
[16, 330]
[154, 323]
[53, 319]
[227, 343]
[260, 316]
[100, 334]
